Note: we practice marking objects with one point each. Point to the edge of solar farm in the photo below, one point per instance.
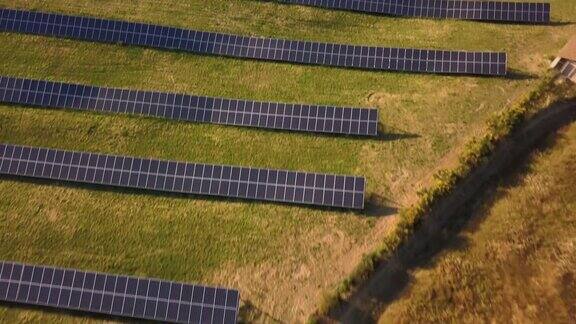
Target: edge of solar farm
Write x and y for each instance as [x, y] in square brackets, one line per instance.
[190, 108]
[248, 47]
[235, 182]
[492, 11]
[123, 296]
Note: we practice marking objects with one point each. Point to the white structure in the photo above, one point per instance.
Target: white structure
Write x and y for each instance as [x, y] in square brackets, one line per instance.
[566, 60]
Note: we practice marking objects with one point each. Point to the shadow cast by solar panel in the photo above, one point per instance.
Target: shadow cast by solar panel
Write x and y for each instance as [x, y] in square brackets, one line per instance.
[317, 65]
[520, 23]
[386, 133]
[561, 23]
[173, 195]
[77, 314]
[379, 206]
[511, 74]
[389, 136]
[408, 17]
[382, 135]
[514, 74]
[250, 313]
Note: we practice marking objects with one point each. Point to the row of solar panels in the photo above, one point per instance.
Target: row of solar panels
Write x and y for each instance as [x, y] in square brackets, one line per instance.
[110, 294]
[520, 12]
[293, 117]
[304, 52]
[568, 69]
[181, 177]
[271, 185]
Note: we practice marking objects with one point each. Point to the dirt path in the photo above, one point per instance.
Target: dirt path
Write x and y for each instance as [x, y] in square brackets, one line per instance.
[392, 276]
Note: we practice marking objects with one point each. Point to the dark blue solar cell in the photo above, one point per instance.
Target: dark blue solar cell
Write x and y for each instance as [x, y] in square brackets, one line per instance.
[129, 306]
[33, 293]
[58, 277]
[89, 280]
[300, 179]
[184, 313]
[207, 314]
[251, 192]
[118, 304]
[150, 308]
[187, 291]
[96, 301]
[139, 306]
[172, 311]
[229, 317]
[131, 286]
[143, 287]
[47, 276]
[308, 196]
[85, 299]
[78, 280]
[63, 298]
[286, 194]
[299, 194]
[106, 303]
[15, 272]
[99, 281]
[161, 310]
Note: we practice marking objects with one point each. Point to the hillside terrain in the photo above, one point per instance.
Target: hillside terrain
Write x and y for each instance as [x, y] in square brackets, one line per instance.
[282, 258]
[515, 261]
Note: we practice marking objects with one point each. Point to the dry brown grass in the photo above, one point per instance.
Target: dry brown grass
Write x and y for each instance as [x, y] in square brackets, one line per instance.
[515, 263]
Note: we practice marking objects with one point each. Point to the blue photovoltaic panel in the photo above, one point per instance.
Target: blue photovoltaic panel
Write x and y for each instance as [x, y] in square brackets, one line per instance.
[180, 177]
[340, 55]
[568, 69]
[115, 295]
[293, 117]
[521, 12]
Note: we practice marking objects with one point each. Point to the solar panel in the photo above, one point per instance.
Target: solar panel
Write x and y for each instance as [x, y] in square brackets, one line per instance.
[294, 117]
[115, 295]
[524, 12]
[180, 177]
[568, 69]
[304, 52]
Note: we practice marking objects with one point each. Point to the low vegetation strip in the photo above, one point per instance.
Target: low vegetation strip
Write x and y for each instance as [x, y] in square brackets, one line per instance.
[515, 260]
[340, 303]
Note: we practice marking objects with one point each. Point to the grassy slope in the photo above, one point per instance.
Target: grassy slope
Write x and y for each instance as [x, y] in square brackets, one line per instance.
[517, 264]
[271, 252]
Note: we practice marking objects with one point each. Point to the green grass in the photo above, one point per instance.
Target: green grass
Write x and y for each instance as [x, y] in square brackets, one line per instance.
[271, 252]
[515, 261]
